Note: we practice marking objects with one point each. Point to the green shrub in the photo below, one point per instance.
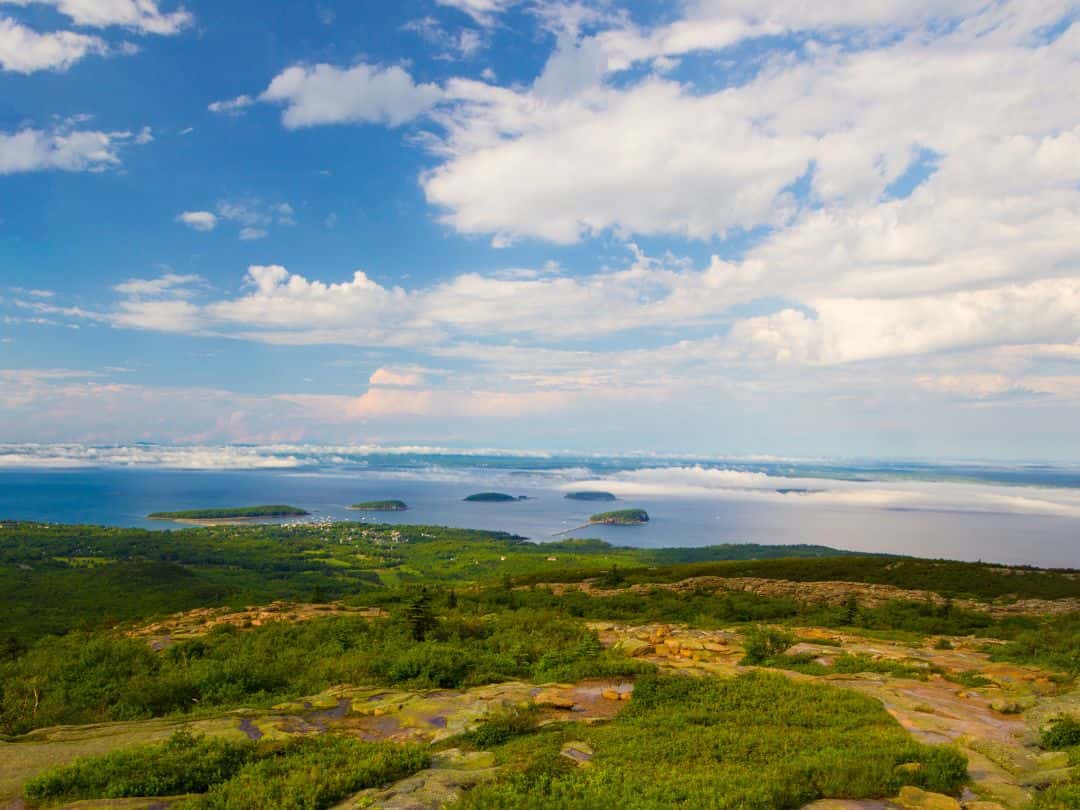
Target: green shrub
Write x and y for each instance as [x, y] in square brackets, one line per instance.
[1062, 732]
[503, 725]
[311, 774]
[184, 764]
[763, 643]
[755, 742]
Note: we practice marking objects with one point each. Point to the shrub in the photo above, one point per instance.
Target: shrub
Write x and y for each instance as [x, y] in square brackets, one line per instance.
[184, 764]
[755, 742]
[503, 725]
[763, 643]
[1063, 732]
[311, 774]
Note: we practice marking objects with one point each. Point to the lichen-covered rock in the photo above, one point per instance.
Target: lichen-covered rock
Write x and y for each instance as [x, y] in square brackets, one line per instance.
[554, 697]
[578, 752]
[913, 798]
[451, 773]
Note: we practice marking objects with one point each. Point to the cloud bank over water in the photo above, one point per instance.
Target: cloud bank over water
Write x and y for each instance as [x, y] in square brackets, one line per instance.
[726, 484]
[785, 483]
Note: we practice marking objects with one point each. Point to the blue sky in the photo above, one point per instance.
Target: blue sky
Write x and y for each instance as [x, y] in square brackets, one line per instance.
[713, 226]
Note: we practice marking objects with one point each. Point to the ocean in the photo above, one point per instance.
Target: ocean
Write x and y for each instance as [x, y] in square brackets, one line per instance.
[1017, 514]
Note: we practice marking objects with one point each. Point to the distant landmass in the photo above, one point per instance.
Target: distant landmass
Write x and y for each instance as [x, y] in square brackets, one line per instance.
[494, 497]
[232, 513]
[621, 517]
[380, 506]
[590, 495]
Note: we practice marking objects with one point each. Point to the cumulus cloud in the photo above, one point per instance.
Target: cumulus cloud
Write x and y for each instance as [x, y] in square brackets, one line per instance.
[325, 94]
[232, 106]
[23, 50]
[396, 377]
[142, 16]
[843, 330]
[198, 220]
[68, 150]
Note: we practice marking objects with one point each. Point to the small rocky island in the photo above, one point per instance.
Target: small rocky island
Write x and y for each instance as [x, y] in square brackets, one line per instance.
[230, 514]
[494, 497]
[590, 495]
[380, 506]
[621, 517]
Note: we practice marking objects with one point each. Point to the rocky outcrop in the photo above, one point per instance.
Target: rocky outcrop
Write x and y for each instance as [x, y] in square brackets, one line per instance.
[452, 772]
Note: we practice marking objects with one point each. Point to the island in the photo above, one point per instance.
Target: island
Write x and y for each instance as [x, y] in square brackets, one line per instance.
[380, 506]
[494, 497]
[621, 517]
[590, 495]
[236, 514]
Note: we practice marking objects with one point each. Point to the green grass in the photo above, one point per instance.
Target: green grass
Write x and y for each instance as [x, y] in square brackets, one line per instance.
[297, 774]
[756, 742]
[183, 764]
[311, 774]
[271, 510]
[89, 678]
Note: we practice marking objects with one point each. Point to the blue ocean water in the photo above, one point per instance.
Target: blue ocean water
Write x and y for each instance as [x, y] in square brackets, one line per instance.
[681, 516]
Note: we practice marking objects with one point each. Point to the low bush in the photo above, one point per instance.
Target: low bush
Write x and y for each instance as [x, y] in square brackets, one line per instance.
[755, 742]
[184, 764]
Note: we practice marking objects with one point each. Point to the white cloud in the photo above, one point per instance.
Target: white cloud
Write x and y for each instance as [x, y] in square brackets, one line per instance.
[232, 106]
[198, 220]
[483, 12]
[843, 330]
[142, 16]
[734, 485]
[161, 315]
[396, 377]
[251, 234]
[173, 284]
[31, 150]
[23, 50]
[461, 43]
[574, 155]
[324, 94]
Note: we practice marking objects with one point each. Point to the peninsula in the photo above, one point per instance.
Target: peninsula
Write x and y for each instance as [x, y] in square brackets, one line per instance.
[237, 514]
[380, 506]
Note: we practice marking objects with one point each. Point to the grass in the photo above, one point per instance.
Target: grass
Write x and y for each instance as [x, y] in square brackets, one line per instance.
[94, 678]
[298, 774]
[756, 742]
[183, 764]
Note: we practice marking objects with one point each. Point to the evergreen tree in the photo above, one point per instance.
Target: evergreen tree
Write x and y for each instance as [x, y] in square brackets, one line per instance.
[419, 615]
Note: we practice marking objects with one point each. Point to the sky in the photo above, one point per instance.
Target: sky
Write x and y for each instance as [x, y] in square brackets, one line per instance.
[712, 226]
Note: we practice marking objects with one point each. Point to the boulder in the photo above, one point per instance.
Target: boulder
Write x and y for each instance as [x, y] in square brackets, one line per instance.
[914, 798]
[555, 698]
[578, 752]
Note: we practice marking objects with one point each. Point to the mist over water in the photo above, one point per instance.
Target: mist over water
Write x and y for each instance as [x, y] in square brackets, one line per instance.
[1020, 514]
